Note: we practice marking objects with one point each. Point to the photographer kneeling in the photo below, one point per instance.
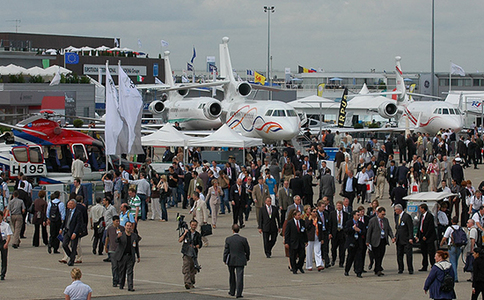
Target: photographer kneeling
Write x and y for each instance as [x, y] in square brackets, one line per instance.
[192, 241]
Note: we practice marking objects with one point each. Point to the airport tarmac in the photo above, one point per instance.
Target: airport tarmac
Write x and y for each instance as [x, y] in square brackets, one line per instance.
[35, 274]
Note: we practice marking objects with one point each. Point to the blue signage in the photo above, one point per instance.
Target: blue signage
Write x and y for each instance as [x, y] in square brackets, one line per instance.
[155, 70]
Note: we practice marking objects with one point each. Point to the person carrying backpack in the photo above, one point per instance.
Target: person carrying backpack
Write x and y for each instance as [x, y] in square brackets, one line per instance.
[456, 239]
[56, 213]
[440, 282]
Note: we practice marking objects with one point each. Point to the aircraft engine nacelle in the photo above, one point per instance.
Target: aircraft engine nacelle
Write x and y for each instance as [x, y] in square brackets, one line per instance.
[212, 110]
[244, 89]
[183, 93]
[388, 109]
[156, 107]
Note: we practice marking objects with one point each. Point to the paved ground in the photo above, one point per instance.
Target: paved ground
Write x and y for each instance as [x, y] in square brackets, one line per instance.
[34, 274]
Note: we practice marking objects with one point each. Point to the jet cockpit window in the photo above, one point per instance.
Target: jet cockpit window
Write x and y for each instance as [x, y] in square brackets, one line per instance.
[457, 111]
[440, 111]
[269, 113]
[20, 154]
[452, 112]
[291, 113]
[201, 105]
[279, 113]
[436, 111]
[446, 111]
[35, 155]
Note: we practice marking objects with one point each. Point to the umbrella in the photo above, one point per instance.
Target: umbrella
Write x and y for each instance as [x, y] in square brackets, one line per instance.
[336, 79]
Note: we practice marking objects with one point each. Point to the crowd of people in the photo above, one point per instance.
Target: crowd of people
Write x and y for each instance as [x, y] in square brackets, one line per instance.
[318, 232]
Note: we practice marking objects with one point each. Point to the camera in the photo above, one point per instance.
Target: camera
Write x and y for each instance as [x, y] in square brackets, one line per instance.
[182, 224]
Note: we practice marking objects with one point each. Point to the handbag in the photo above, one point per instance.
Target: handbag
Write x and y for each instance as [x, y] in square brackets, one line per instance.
[469, 263]
[206, 229]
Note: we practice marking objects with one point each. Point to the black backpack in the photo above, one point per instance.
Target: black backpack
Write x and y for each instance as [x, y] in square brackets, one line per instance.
[447, 284]
[54, 215]
[459, 237]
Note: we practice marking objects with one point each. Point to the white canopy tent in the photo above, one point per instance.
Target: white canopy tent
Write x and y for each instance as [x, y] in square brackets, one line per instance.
[53, 70]
[165, 136]
[12, 69]
[428, 196]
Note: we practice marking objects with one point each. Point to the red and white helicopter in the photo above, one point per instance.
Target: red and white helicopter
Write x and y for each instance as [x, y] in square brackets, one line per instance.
[40, 148]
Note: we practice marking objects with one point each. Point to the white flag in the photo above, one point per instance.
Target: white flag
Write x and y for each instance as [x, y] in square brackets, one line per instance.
[157, 81]
[116, 42]
[57, 78]
[456, 70]
[164, 43]
[139, 44]
[115, 143]
[185, 79]
[130, 110]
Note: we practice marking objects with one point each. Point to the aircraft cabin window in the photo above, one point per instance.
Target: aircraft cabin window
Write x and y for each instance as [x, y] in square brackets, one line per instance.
[35, 155]
[279, 113]
[291, 113]
[20, 154]
[445, 111]
[269, 113]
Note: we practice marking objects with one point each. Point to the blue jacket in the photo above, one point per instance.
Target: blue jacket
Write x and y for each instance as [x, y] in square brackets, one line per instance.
[435, 278]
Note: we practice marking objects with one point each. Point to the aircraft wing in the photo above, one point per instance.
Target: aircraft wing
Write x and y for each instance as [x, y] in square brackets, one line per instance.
[164, 87]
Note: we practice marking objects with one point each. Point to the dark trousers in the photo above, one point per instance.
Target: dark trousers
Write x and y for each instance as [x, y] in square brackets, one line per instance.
[54, 232]
[125, 267]
[308, 199]
[361, 192]
[297, 256]
[392, 185]
[428, 253]
[114, 269]
[378, 254]
[354, 255]
[236, 280]
[248, 209]
[22, 230]
[73, 243]
[405, 249]
[350, 196]
[283, 215]
[479, 289]
[35, 239]
[325, 249]
[238, 211]
[403, 154]
[270, 239]
[97, 241]
[3, 254]
[338, 243]
[144, 206]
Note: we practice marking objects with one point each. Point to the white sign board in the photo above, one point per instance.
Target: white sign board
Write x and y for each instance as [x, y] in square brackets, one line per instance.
[113, 69]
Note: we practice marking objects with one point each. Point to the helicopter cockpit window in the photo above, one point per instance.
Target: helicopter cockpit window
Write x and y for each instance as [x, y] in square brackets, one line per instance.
[20, 154]
[35, 155]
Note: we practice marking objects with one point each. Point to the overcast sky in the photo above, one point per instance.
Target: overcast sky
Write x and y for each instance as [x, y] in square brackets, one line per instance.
[333, 35]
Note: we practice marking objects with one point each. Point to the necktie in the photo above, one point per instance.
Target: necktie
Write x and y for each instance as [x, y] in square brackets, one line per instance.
[240, 190]
[381, 223]
[399, 219]
[261, 191]
[269, 211]
[297, 225]
[287, 193]
[339, 218]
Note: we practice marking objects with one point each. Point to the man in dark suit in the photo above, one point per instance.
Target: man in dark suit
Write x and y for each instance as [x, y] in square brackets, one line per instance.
[457, 172]
[355, 232]
[402, 172]
[337, 221]
[398, 194]
[377, 237]
[80, 190]
[83, 229]
[71, 228]
[127, 248]
[426, 236]
[402, 147]
[296, 184]
[308, 188]
[392, 177]
[403, 238]
[238, 196]
[296, 237]
[339, 157]
[269, 225]
[236, 256]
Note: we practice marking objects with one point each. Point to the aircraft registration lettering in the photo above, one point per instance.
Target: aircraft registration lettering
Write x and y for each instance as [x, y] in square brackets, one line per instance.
[28, 169]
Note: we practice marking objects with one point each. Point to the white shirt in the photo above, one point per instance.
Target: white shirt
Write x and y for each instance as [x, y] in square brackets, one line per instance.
[448, 233]
[476, 202]
[77, 290]
[362, 178]
[96, 212]
[473, 233]
[5, 230]
[215, 171]
[356, 148]
[478, 218]
[442, 218]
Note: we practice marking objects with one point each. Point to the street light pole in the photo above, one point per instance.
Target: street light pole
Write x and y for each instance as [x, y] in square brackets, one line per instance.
[269, 10]
[432, 70]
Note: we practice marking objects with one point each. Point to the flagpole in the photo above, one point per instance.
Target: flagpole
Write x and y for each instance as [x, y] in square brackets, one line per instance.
[106, 88]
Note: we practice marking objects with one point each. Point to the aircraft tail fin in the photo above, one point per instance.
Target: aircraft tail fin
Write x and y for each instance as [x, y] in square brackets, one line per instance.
[399, 80]
[226, 72]
[168, 73]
